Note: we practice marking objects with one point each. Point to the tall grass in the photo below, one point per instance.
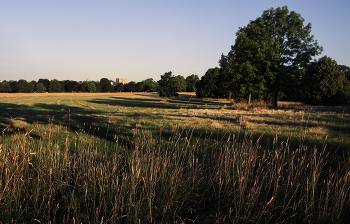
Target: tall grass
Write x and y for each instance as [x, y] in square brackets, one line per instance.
[230, 179]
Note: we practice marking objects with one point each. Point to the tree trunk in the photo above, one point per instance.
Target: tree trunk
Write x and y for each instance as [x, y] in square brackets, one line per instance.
[249, 98]
[275, 99]
[277, 84]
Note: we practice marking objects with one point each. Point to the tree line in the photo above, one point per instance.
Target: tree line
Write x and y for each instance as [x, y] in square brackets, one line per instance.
[180, 84]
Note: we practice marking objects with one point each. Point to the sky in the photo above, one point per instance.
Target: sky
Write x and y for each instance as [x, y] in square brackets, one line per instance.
[86, 39]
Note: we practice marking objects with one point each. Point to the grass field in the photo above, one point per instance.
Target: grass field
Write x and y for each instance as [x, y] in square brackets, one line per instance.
[138, 158]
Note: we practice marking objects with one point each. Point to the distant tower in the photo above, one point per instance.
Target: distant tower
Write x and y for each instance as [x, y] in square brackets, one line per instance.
[122, 80]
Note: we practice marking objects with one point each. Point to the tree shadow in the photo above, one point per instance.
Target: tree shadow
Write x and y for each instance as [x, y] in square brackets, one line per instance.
[96, 123]
[159, 103]
[75, 119]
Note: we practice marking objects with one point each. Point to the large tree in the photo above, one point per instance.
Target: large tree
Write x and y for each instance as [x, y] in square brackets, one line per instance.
[269, 48]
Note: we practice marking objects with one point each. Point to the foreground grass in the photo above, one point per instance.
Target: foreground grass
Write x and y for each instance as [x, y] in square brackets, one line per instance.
[127, 159]
[89, 180]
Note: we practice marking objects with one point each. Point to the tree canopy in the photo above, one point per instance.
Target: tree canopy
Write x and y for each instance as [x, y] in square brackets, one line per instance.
[191, 83]
[207, 86]
[106, 85]
[325, 83]
[55, 86]
[267, 50]
[166, 85]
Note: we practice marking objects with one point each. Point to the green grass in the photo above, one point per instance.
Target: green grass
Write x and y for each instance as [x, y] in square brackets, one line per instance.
[141, 159]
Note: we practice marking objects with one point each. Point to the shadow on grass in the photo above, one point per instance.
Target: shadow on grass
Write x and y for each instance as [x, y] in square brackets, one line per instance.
[76, 119]
[160, 103]
[95, 123]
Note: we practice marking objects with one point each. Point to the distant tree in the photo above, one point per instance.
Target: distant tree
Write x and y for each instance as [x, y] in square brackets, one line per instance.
[106, 85]
[139, 87]
[40, 88]
[119, 87]
[71, 86]
[14, 86]
[130, 86]
[23, 86]
[6, 88]
[91, 87]
[33, 85]
[180, 83]
[191, 83]
[55, 86]
[83, 87]
[98, 87]
[323, 83]
[45, 82]
[150, 85]
[63, 85]
[166, 85]
[1, 83]
[207, 86]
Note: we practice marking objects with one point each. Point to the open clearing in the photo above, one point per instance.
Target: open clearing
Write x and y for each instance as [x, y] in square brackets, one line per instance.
[120, 114]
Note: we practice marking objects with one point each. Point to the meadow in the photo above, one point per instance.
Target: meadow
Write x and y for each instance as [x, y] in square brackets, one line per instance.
[139, 158]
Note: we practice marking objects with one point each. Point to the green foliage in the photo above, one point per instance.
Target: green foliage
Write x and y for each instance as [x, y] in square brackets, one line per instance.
[71, 86]
[83, 87]
[130, 86]
[40, 88]
[21, 86]
[91, 87]
[14, 86]
[6, 88]
[106, 85]
[180, 83]
[24, 87]
[33, 84]
[139, 87]
[55, 86]
[119, 87]
[191, 83]
[207, 86]
[98, 87]
[149, 85]
[268, 49]
[166, 85]
[45, 82]
[324, 83]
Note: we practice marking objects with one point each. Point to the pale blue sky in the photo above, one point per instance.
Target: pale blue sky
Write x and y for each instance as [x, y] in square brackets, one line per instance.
[75, 40]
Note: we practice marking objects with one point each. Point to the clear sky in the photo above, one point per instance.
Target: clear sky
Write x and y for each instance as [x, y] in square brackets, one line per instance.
[80, 39]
